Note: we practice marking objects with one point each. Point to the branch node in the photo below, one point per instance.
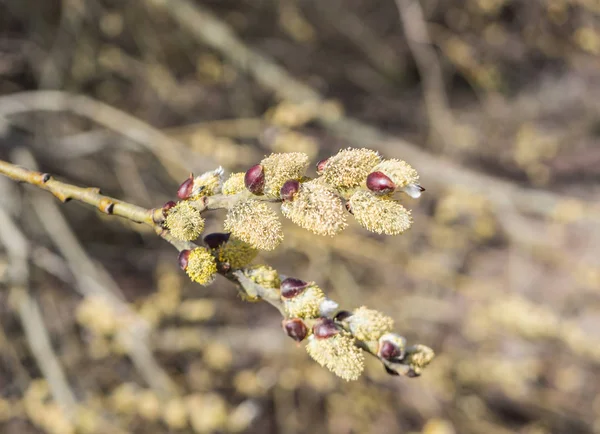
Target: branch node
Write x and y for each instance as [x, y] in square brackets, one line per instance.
[106, 206]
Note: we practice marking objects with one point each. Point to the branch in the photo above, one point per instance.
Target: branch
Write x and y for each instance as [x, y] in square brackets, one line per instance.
[396, 357]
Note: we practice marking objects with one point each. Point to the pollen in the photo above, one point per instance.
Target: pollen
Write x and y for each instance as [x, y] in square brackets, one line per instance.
[185, 221]
[338, 354]
[379, 214]
[399, 171]
[236, 252]
[369, 324]
[305, 305]
[234, 184]
[279, 168]
[316, 208]
[349, 167]
[264, 275]
[201, 266]
[255, 223]
[209, 183]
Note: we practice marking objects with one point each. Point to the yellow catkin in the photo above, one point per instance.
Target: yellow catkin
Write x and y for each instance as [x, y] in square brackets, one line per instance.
[184, 221]
[279, 168]
[316, 208]
[369, 324]
[209, 183]
[236, 253]
[338, 354]
[400, 172]
[264, 275]
[305, 305]
[255, 223]
[234, 184]
[379, 214]
[350, 167]
[201, 266]
[418, 357]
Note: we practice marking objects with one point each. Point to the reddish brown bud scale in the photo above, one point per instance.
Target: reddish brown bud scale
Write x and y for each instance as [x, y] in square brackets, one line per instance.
[291, 287]
[349, 208]
[295, 329]
[379, 183]
[254, 179]
[183, 259]
[389, 351]
[185, 189]
[217, 239]
[167, 206]
[342, 315]
[321, 165]
[325, 328]
[289, 190]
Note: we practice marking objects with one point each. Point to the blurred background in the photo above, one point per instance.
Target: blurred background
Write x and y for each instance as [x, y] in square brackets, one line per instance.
[495, 102]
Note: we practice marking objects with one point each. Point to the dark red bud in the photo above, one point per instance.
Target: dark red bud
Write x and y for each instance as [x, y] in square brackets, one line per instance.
[389, 351]
[342, 315]
[289, 190]
[420, 187]
[379, 183]
[167, 206]
[255, 179]
[215, 240]
[349, 208]
[295, 328]
[325, 328]
[321, 165]
[185, 189]
[291, 287]
[183, 259]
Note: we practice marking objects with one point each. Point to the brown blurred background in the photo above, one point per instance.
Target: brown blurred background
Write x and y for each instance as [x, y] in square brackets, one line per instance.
[495, 102]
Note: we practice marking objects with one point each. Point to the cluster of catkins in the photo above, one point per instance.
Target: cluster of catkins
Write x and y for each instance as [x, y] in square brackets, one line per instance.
[354, 181]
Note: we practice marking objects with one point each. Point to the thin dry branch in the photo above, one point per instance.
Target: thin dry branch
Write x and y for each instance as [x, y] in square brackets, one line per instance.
[31, 318]
[419, 43]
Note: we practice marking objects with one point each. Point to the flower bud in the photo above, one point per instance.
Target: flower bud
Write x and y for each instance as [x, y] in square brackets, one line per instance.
[295, 328]
[391, 347]
[321, 166]
[209, 183]
[185, 189]
[265, 276]
[400, 172]
[325, 328]
[379, 183]
[368, 324]
[289, 190]
[216, 239]
[414, 190]
[342, 315]
[183, 259]
[254, 179]
[300, 301]
[291, 287]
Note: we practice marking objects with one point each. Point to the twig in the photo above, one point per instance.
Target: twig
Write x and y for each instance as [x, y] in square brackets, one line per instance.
[31, 318]
[85, 273]
[90, 278]
[166, 148]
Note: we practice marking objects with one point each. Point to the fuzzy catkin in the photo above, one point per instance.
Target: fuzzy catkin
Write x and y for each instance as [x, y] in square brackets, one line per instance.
[255, 223]
[379, 214]
[316, 208]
